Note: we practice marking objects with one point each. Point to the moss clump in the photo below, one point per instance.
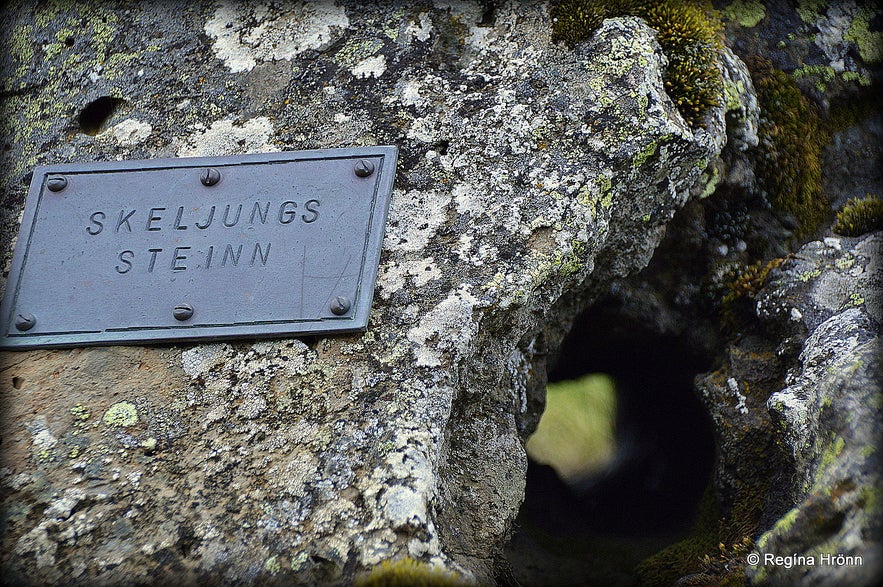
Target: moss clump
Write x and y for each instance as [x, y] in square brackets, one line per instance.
[746, 12]
[742, 287]
[869, 43]
[688, 32]
[683, 558]
[408, 572]
[749, 282]
[789, 167]
[859, 216]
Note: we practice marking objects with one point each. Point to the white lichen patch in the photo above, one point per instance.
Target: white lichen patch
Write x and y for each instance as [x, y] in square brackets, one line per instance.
[227, 137]
[394, 276]
[403, 507]
[447, 328]
[131, 132]
[199, 360]
[371, 67]
[733, 386]
[414, 217]
[419, 29]
[246, 33]
[42, 438]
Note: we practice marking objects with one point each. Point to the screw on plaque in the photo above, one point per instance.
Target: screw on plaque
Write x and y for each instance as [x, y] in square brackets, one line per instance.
[364, 168]
[183, 312]
[210, 176]
[25, 321]
[56, 183]
[340, 305]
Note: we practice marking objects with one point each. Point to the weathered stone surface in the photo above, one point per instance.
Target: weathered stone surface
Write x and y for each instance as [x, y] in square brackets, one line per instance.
[830, 410]
[799, 416]
[530, 176]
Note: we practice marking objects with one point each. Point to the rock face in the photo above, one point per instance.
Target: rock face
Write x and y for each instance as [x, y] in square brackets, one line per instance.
[806, 396]
[829, 410]
[530, 176]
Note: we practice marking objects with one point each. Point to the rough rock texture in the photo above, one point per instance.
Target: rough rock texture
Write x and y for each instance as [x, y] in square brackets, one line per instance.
[830, 410]
[530, 176]
[796, 398]
[801, 406]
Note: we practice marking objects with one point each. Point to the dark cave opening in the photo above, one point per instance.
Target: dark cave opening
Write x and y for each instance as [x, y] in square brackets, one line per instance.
[95, 115]
[649, 493]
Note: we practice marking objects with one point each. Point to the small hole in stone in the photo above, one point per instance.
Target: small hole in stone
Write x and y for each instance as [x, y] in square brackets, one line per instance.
[16, 382]
[69, 41]
[94, 117]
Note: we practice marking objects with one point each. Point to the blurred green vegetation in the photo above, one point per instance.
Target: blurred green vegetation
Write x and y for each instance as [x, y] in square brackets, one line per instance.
[576, 434]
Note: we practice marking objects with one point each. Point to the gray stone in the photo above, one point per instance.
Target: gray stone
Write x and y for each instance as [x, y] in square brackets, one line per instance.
[530, 177]
[829, 412]
[798, 413]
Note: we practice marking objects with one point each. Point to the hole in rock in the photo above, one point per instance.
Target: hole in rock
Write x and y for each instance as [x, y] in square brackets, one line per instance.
[94, 117]
[17, 382]
[621, 458]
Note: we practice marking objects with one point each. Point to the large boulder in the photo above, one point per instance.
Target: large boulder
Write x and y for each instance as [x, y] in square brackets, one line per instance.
[530, 176]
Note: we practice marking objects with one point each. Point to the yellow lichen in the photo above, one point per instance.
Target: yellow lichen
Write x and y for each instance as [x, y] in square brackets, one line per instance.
[121, 414]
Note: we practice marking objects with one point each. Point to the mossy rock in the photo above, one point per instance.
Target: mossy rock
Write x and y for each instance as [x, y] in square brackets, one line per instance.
[688, 32]
[789, 166]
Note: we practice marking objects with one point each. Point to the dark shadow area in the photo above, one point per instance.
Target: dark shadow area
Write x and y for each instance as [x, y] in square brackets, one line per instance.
[648, 496]
[93, 118]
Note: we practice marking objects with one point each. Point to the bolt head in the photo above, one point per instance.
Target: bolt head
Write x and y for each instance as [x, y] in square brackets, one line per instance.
[340, 305]
[183, 312]
[364, 168]
[25, 321]
[56, 183]
[210, 176]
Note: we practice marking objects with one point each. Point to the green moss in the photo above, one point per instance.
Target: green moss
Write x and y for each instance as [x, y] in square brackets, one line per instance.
[860, 216]
[749, 282]
[788, 163]
[684, 557]
[737, 304]
[853, 76]
[869, 43]
[746, 12]
[408, 572]
[786, 522]
[869, 496]
[688, 32]
[822, 74]
[810, 10]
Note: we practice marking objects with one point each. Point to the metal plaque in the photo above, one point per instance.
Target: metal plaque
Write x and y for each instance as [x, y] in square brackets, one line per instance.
[273, 244]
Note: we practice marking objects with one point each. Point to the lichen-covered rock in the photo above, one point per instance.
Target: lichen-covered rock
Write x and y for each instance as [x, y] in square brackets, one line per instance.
[530, 176]
[829, 413]
[798, 410]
